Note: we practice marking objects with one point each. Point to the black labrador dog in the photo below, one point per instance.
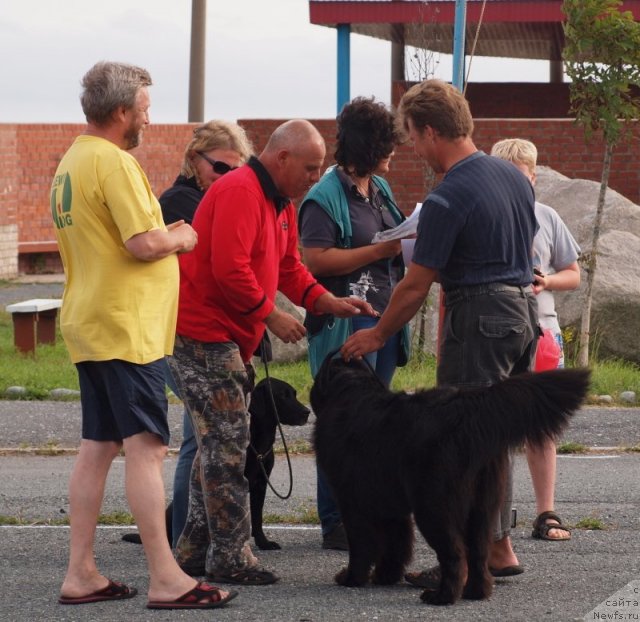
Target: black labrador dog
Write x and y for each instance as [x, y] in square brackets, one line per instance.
[440, 455]
[267, 405]
[263, 409]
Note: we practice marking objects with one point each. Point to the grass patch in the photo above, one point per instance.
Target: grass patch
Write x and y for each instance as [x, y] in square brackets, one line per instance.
[591, 524]
[51, 368]
[299, 447]
[10, 520]
[304, 516]
[113, 518]
[118, 517]
[613, 376]
[571, 448]
[50, 448]
[18, 520]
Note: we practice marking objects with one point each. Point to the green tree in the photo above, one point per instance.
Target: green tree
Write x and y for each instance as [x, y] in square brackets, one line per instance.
[602, 58]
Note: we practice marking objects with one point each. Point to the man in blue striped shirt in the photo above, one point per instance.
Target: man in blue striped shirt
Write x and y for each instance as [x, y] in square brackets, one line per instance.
[475, 237]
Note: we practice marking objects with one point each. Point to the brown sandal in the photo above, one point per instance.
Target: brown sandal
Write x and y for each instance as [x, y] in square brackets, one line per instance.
[541, 528]
[202, 596]
[114, 591]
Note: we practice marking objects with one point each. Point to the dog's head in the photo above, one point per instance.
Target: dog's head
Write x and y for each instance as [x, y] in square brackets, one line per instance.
[337, 376]
[291, 411]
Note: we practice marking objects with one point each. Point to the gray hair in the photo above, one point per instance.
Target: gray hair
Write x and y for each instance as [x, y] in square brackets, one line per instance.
[107, 86]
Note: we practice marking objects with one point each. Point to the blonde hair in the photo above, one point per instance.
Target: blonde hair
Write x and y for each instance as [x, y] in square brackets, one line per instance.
[518, 151]
[216, 135]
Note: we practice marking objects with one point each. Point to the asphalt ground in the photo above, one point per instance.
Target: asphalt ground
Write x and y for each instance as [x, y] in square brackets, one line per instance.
[563, 581]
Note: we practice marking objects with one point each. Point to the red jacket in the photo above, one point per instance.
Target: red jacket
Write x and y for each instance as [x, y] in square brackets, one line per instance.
[246, 251]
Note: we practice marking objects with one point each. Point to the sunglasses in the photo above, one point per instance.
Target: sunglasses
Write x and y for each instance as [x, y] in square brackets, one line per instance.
[218, 167]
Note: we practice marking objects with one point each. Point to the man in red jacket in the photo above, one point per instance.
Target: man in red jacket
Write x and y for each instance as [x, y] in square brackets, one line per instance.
[247, 251]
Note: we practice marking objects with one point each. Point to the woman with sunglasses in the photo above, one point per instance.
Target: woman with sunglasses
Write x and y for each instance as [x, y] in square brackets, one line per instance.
[216, 148]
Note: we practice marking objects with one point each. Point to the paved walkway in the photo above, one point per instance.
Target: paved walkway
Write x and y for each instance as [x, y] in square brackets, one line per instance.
[563, 581]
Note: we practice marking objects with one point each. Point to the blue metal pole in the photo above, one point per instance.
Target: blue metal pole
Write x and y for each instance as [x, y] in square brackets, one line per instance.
[459, 27]
[344, 64]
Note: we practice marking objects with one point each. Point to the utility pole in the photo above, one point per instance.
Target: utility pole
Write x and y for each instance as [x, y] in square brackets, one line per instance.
[197, 60]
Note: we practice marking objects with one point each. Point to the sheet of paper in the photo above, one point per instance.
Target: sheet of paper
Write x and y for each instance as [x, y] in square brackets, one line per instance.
[407, 250]
[405, 229]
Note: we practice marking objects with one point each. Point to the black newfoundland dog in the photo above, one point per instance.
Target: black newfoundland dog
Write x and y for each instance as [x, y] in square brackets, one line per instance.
[440, 455]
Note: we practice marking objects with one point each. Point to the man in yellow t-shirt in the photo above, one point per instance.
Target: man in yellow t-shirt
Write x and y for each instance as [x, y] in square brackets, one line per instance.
[115, 306]
[118, 321]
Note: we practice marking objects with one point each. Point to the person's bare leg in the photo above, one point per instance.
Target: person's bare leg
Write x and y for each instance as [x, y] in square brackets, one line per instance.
[86, 490]
[542, 466]
[144, 455]
[501, 554]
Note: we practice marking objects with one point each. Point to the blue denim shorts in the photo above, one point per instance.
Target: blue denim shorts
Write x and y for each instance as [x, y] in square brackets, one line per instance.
[120, 399]
[489, 333]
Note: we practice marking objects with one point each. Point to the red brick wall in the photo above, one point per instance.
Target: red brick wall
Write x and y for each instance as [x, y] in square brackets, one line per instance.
[29, 155]
[8, 174]
[8, 200]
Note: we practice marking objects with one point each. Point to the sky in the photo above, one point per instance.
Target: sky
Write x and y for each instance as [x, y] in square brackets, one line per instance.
[263, 58]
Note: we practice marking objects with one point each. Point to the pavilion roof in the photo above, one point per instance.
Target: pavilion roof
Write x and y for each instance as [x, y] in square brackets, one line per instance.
[510, 28]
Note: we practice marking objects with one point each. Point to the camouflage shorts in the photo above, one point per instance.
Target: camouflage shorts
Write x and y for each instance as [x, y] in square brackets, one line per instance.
[215, 385]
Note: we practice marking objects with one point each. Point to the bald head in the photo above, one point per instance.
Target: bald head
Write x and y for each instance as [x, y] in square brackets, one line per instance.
[294, 156]
[293, 133]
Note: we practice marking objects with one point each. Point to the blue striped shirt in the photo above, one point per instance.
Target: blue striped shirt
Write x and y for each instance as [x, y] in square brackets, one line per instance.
[477, 225]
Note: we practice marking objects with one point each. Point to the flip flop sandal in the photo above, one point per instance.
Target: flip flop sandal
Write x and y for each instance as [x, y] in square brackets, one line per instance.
[541, 528]
[113, 591]
[246, 576]
[202, 596]
[507, 571]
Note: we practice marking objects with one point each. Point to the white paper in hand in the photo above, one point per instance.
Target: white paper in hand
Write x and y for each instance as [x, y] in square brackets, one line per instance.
[405, 229]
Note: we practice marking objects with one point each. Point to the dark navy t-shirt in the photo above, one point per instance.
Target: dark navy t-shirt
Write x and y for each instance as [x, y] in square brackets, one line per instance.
[477, 225]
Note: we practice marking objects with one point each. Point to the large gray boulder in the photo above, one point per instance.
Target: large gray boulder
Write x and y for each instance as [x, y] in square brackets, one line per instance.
[287, 352]
[615, 314]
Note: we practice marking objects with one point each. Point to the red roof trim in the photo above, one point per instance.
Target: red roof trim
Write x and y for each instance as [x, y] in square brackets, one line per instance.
[397, 12]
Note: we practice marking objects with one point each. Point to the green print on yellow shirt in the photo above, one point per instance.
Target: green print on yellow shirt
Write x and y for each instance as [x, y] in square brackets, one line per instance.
[61, 209]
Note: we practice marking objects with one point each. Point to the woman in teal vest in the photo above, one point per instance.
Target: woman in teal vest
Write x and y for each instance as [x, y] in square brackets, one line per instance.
[337, 221]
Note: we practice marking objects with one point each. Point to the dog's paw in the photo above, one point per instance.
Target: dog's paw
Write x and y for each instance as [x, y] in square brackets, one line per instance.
[437, 597]
[346, 579]
[385, 577]
[477, 590]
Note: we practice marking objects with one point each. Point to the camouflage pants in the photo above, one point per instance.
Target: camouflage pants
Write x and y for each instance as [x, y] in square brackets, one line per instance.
[215, 386]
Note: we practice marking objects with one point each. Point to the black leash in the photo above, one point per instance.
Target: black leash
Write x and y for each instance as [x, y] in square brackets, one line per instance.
[261, 457]
[365, 361]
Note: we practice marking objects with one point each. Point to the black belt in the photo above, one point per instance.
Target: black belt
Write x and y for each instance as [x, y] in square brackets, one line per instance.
[468, 291]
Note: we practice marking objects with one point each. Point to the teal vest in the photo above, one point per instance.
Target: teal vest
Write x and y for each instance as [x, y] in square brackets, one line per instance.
[327, 333]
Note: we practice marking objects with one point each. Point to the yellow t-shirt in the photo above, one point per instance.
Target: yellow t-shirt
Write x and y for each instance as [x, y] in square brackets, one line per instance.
[114, 305]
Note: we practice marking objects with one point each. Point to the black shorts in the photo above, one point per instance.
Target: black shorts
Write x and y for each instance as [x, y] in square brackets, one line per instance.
[120, 399]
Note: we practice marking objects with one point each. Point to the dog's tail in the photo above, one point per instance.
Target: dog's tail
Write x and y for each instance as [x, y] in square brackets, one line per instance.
[525, 408]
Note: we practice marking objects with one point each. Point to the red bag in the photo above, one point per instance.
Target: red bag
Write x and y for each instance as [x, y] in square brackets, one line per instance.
[547, 352]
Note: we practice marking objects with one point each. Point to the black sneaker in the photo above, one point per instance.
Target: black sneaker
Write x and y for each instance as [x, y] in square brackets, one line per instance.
[132, 537]
[336, 539]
